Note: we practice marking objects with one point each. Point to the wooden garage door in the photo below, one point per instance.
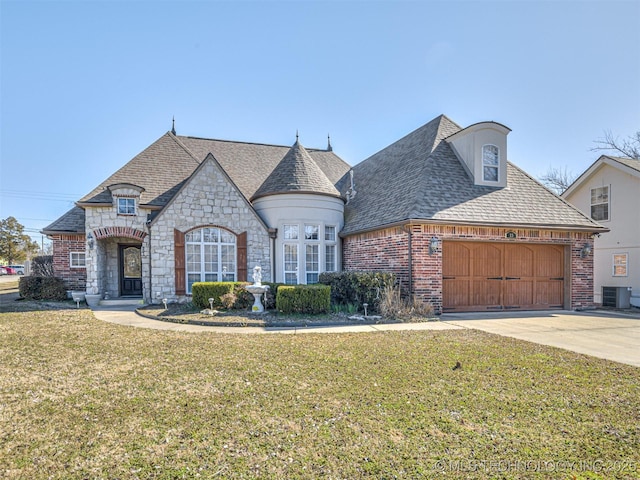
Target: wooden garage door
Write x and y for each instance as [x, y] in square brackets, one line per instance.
[501, 276]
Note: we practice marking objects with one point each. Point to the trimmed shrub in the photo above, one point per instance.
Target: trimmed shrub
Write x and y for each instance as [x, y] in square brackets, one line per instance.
[310, 299]
[224, 294]
[357, 287]
[42, 288]
[270, 295]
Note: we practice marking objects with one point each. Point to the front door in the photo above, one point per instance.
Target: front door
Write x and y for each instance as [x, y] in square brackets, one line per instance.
[130, 270]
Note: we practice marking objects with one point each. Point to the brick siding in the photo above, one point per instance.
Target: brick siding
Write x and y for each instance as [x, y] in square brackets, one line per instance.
[63, 245]
[387, 250]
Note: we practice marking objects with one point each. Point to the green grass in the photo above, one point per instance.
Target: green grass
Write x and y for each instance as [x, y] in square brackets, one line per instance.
[80, 398]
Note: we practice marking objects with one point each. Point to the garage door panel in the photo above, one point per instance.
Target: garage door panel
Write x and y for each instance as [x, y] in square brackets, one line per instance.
[549, 262]
[487, 276]
[518, 261]
[487, 260]
[518, 293]
[485, 293]
[457, 261]
[455, 293]
[550, 293]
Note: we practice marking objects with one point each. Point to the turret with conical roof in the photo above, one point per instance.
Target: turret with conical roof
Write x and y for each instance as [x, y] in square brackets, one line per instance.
[297, 172]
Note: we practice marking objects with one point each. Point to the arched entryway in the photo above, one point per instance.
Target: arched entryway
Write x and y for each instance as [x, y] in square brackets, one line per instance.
[130, 270]
[120, 261]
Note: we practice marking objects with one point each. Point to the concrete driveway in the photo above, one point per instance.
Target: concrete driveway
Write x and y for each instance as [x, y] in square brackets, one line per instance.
[598, 333]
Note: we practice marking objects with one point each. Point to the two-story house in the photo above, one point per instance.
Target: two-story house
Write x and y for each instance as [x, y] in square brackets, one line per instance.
[609, 192]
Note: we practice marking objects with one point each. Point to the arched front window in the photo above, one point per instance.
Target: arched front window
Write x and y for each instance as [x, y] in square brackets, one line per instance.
[211, 256]
[490, 163]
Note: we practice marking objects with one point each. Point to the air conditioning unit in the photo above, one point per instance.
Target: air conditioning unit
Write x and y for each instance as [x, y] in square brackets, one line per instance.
[617, 297]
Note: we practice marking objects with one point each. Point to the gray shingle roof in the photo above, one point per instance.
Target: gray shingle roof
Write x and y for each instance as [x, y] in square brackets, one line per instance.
[629, 162]
[70, 222]
[160, 169]
[419, 177]
[297, 172]
[163, 167]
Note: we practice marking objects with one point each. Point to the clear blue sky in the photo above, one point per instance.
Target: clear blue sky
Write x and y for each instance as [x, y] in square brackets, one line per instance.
[86, 85]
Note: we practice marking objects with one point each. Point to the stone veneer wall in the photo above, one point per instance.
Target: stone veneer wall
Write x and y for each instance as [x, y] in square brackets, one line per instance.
[63, 245]
[102, 263]
[209, 199]
[387, 250]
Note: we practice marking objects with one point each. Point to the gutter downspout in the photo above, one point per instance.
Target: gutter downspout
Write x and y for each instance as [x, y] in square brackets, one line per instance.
[148, 251]
[407, 229]
[273, 234]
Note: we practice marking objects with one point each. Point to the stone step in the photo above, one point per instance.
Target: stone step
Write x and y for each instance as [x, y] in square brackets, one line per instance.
[120, 302]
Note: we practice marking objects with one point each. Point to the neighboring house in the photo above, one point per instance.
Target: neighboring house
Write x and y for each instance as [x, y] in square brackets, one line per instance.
[442, 208]
[609, 192]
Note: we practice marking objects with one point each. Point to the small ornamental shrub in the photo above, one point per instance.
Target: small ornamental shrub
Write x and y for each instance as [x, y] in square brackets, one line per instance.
[243, 299]
[355, 287]
[309, 299]
[42, 288]
[228, 300]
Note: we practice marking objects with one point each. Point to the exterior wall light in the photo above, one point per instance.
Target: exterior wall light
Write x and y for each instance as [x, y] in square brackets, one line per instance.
[90, 241]
[433, 245]
[586, 250]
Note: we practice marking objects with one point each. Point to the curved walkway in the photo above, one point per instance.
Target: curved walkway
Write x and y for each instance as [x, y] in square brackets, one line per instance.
[602, 334]
[126, 315]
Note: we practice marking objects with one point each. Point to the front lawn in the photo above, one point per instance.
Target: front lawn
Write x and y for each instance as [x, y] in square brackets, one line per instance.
[80, 398]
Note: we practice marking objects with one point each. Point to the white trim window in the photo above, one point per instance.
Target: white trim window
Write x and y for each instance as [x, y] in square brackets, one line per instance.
[600, 203]
[490, 163]
[210, 256]
[312, 252]
[620, 262]
[308, 250]
[291, 232]
[77, 260]
[126, 206]
[290, 257]
[290, 253]
[312, 262]
[330, 248]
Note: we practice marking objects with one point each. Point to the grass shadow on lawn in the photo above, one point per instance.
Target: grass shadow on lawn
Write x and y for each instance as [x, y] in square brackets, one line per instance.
[11, 301]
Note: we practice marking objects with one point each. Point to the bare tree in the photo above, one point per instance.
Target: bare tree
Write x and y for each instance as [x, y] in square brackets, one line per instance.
[557, 179]
[42, 266]
[629, 147]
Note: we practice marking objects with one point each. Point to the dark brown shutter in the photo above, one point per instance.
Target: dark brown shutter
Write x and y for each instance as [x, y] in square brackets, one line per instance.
[178, 243]
[241, 248]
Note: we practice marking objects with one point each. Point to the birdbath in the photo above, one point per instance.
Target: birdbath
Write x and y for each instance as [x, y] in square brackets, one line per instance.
[257, 290]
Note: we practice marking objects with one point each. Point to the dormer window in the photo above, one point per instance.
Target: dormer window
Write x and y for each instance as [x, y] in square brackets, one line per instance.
[126, 206]
[490, 163]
